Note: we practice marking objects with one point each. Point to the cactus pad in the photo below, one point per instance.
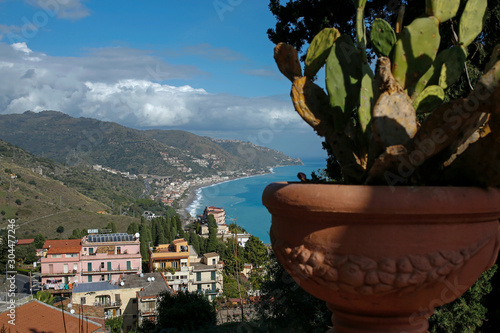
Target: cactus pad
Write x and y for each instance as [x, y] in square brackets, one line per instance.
[443, 10]
[382, 37]
[472, 21]
[429, 99]
[343, 75]
[318, 50]
[415, 50]
[287, 59]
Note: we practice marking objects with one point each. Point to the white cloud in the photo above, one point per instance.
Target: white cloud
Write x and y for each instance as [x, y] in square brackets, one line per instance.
[115, 84]
[64, 9]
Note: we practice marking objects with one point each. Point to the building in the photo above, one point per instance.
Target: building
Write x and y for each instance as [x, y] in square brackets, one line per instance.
[132, 298]
[36, 316]
[147, 297]
[60, 263]
[173, 256]
[110, 257]
[185, 270]
[218, 213]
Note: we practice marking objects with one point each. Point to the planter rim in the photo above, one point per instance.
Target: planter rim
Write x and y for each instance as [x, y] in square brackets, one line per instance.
[478, 204]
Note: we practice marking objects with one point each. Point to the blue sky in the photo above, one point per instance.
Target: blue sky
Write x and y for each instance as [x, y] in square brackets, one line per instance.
[204, 66]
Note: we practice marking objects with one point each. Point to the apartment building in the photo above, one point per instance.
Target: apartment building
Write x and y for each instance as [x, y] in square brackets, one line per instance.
[60, 263]
[185, 270]
[218, 213]
[110, 257]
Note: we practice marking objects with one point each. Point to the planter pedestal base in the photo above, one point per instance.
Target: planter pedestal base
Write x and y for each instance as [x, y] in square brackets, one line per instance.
[353, 323]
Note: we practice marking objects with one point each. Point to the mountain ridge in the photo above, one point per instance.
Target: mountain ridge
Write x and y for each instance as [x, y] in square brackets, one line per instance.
[89, 141]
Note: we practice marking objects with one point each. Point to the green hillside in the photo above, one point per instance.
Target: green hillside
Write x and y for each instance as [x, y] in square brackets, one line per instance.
[42, 195]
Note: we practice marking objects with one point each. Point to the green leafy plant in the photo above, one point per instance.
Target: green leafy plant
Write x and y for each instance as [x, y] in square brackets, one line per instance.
[394, 126]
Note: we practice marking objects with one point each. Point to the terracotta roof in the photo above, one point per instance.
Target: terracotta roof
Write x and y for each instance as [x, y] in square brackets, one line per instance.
[25, 241]
[36, 316]
[63, 246]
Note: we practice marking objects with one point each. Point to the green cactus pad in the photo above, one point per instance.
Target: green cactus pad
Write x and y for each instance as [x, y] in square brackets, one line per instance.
[415, 50]
[429, 99]
[443, 10]
[382, 37]
[366, 98]
[343, 75]
[472, 21]
[453, 60]
[318, 51]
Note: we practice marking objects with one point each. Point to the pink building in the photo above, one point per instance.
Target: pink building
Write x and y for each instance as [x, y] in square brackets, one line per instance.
[60, 263]
[218, 213]
[109, 257]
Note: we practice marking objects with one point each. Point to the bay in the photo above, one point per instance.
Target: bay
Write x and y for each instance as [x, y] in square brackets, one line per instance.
[242, 198]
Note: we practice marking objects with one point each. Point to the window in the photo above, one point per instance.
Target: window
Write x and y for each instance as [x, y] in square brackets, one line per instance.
[83, 300]
[102, 278]
[89, 267]
[128, 266]
[90, 278]
[91, 250]
[75, 268]
[57, 256]
[109, 265]
[213, 262]
[66, 268]
[102, 264]
[212, 277]
[174, 264]
[199, 287]
[198, 276]
[134, 300]
[118, 250]
[71, 255]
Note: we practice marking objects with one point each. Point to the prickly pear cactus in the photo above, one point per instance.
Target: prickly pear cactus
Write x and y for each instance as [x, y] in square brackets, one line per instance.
[370, 121]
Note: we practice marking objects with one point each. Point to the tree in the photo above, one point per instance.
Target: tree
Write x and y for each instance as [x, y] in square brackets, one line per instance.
[185, 311]
[115, 324]
[255, 251]
[467, 313]
[27, 253]
[45, 297]
[111, 226]
[133, 228]
[285, 305]
[212, 233]
[39, 240]
[60, 229]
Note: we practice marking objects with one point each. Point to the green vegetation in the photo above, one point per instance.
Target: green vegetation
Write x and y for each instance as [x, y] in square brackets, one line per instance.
[45, 297]
[185, 311]
[115, 324]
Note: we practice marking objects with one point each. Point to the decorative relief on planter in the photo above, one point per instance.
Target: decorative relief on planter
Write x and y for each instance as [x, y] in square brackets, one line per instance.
[358, 274]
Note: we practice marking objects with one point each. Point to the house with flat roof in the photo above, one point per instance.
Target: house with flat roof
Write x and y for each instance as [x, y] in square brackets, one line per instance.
[110, 257]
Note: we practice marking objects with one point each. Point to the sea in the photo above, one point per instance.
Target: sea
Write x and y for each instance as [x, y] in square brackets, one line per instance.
[242, 198]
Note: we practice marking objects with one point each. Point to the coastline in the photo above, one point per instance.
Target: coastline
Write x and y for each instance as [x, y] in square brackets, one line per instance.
[193, 192]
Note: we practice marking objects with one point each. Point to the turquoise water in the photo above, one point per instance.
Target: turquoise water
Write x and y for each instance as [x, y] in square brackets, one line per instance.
[242, 198]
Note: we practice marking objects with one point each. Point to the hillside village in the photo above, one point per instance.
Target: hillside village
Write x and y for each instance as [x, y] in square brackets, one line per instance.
[104, 275]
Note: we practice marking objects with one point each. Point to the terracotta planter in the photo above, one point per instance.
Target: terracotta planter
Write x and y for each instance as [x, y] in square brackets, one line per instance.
[383, 257]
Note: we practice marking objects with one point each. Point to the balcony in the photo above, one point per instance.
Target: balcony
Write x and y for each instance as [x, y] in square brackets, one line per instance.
[70, 273]
[148, 312]
[112, 271]
[108, 305]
